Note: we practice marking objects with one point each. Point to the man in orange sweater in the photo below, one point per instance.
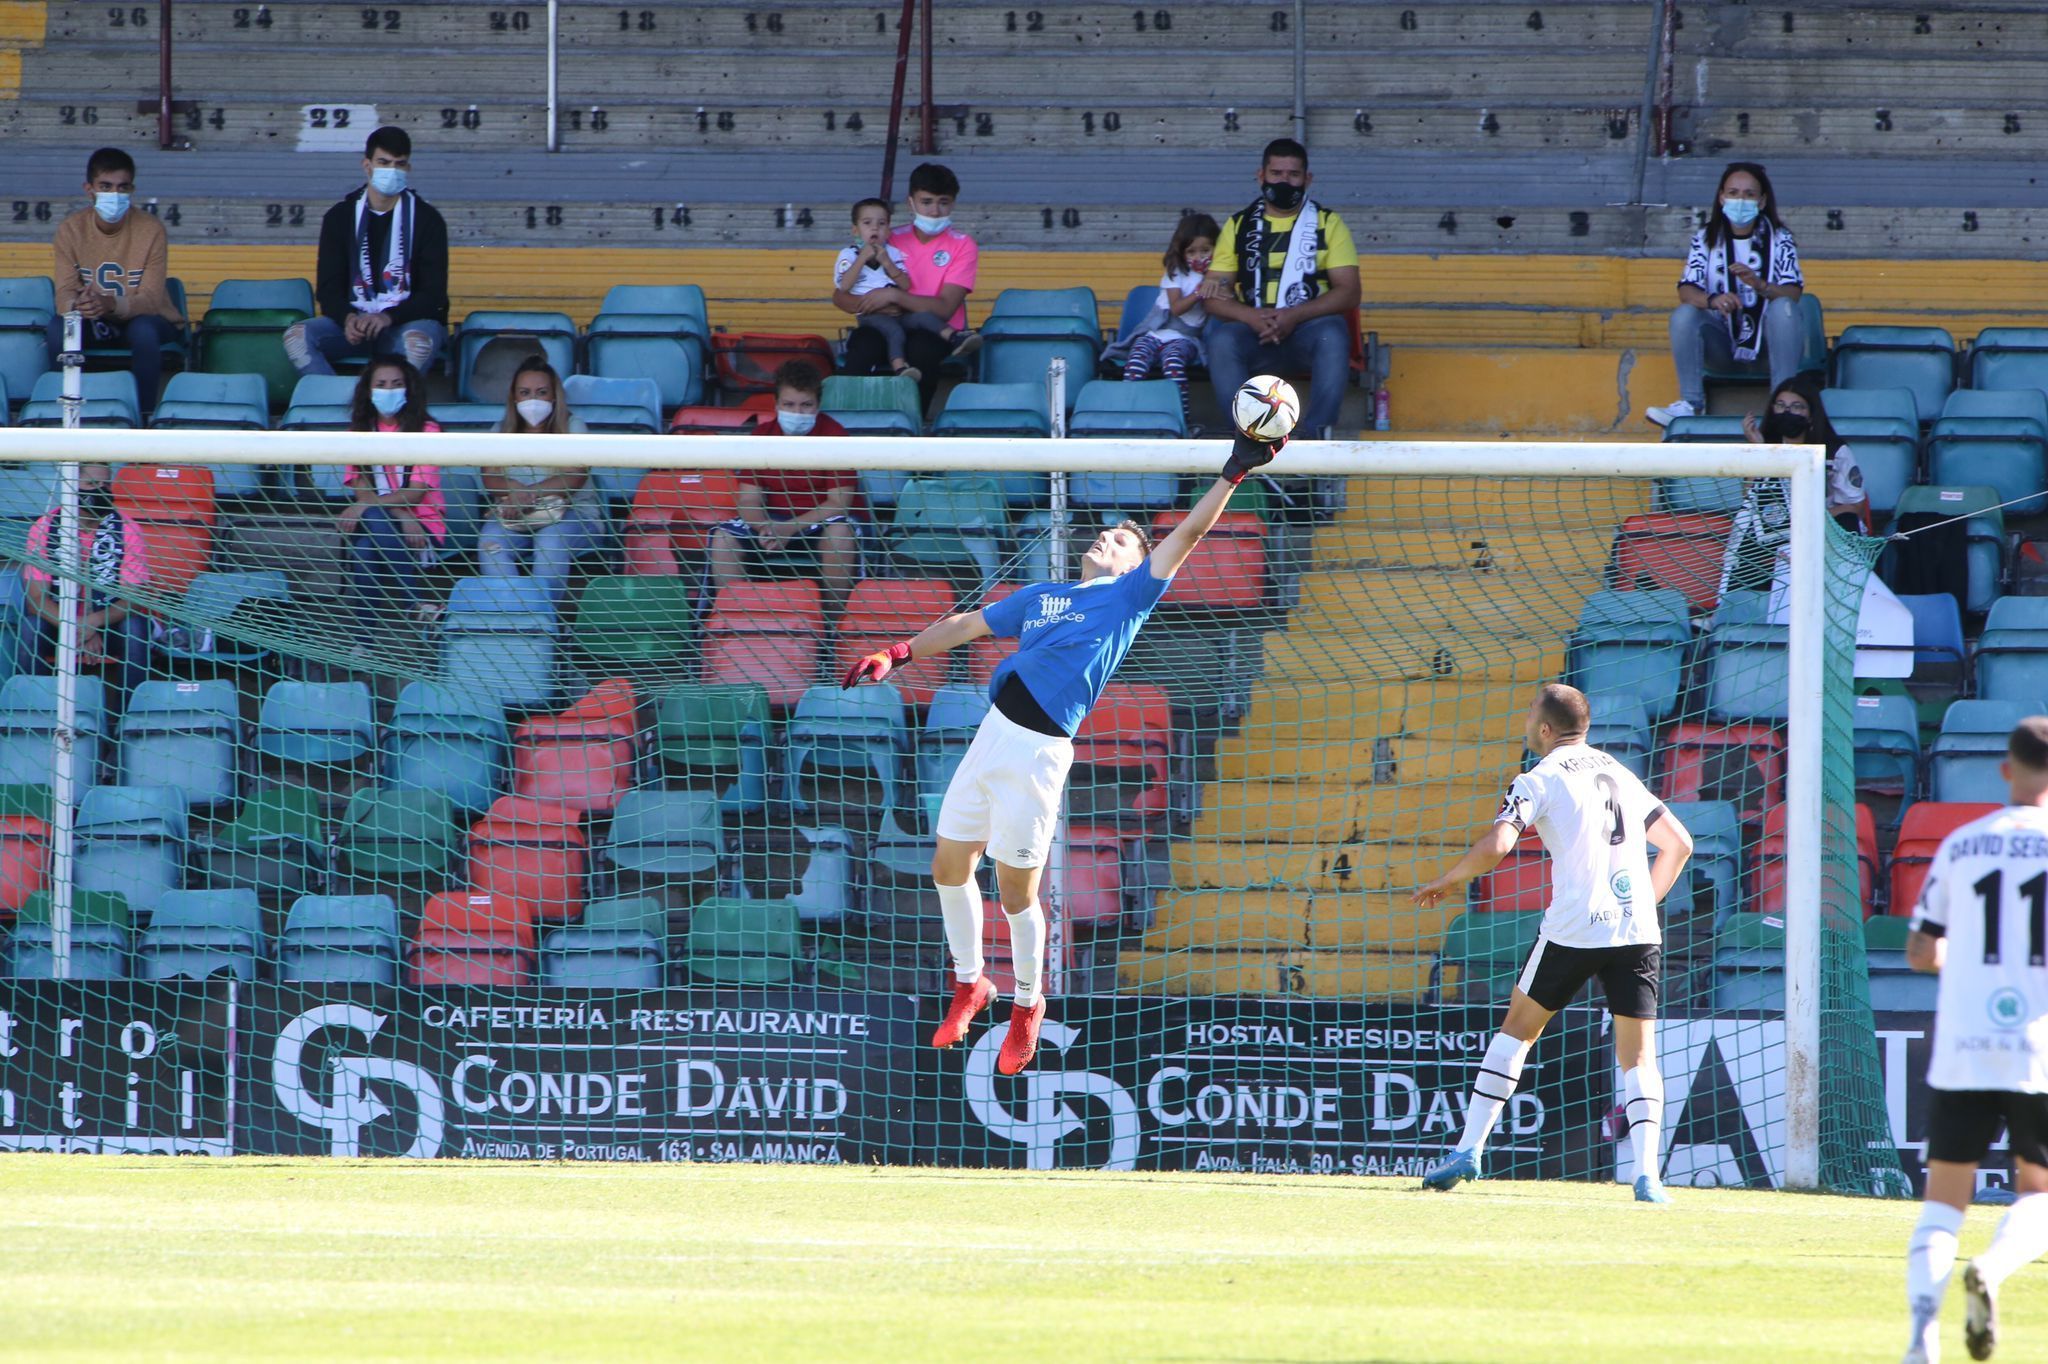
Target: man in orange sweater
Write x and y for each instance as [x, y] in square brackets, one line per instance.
[113, 267]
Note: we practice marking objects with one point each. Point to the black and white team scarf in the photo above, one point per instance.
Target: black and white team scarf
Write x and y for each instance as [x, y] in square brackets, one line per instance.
[1298, 283]
[104, 558]
[1713, 271]
[391, 285]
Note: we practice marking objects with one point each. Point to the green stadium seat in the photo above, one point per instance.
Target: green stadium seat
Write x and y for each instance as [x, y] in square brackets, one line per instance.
[635, 626]
[717, 734]
[1487, 950]
[743, 942]
[276, 845]
[398, 835]
[251, 341]
[100, 939]
[628, 914]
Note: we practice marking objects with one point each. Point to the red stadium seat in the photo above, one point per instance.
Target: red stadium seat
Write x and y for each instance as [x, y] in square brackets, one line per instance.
[1743, 765]
[745, 362]
[173, 504]
[673, 513]
[1520, 882]
[533, 853]
[881, 611]
[24, 860]
[441, 957]
[1227, 571]
[765, 634]
[1682, 551]
[714, 421]
[1768, 878]
[1094, 881]
[1920, 833]
[1127, 742]
[478, 914]
[583, 758]
[986, 654]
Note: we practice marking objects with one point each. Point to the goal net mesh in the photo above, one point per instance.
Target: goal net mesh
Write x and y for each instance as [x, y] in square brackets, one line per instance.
[378, 853]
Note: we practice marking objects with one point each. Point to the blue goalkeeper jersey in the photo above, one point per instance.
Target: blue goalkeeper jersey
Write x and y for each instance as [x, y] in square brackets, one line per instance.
[1074, 635]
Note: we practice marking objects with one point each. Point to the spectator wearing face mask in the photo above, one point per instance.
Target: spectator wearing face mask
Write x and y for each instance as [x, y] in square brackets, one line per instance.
[548, 513]
[794, 523]
[1738, 300]
[1282, 289]
[1794, 416]
[113, 269]
[1169, 338]
[942, 262]
[382, 275]
[397, 521]
[115, 552]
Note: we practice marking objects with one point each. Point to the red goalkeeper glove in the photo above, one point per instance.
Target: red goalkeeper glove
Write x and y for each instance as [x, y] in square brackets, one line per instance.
[1246, 455]
[878, 665]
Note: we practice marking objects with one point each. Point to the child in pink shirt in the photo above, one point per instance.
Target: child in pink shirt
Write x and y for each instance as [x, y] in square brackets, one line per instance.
[940, 262]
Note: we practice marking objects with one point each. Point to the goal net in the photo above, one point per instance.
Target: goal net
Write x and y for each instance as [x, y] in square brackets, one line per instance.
[331, 831]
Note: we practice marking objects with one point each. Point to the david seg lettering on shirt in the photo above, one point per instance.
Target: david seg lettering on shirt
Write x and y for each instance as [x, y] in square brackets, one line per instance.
[1999, 845]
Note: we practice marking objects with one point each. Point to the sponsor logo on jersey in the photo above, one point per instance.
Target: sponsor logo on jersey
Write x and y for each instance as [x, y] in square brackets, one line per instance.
[1052, 610]
[1624, 889]
[2007, 1008]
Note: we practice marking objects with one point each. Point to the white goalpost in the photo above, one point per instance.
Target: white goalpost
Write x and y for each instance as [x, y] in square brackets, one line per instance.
[1802, 468]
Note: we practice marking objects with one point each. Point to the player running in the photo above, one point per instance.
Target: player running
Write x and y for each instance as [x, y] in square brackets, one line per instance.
[1596, 819]
[1005, 795]
[1982, 924]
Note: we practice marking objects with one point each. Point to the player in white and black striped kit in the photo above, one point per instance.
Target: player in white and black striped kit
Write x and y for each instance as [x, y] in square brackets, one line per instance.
[1598, 823]
[1982, 923]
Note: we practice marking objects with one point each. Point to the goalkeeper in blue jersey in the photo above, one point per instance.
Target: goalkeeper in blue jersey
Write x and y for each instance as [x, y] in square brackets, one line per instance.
[1005, 796]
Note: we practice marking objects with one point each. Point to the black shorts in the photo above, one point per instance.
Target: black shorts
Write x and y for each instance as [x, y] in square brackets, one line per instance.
[1962, 1124]
[1629, 975]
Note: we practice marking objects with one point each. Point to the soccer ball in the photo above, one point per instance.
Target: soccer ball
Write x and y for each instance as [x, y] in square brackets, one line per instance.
[1265, 408]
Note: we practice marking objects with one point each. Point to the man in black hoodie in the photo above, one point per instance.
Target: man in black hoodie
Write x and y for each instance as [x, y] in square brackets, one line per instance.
[382, 278]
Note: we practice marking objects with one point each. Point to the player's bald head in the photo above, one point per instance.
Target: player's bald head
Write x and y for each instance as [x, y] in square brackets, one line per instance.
[1564, 709]
[2027, 745]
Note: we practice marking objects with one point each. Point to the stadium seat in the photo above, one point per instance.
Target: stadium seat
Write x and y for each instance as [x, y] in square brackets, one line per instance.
[835, 732]
[681, 301]
[1741, 764]
[131, 842]
[397, 837]
[745, 362]
[110, 400]
[743, 942]
[498, 640]
[666, 843]
[316, 723]
[1962, 765]
[100, 939]
[600, 959]
[340, 940]
[635, 626]
[1921, 830]
[196, 934]
[321, 402]
[674, 512]
[1631, 646]
[27, 490]
[1996, 440]
[1077, 302]
[1518, 883]
[1115, 496]
[1623, 730]
[445, 740]
[1135, 410]
[584, 758]
[718, 736]
[718, 421]
[655, 332]
[986, 654]
[250, 340]
[230, 618]
[1895, 987]
[1717, 855]
[1123, 753]
[873, 405]
[217, 400]
[1749, 965]
[27, 303]
[533, 853]
[1984, 533]
[2012, 652]
[950, 722]
[1887, 746]
[174, 505]
[24, 845]
[1919, 359]
[628, 405]
[824, 891]
[1748, 673]
[1019, 348]
[1938, 648]
[1227, 571]
[276, 845]
[881, 611]
[1882, 425]
[2009, 358]
[1679, 552]
[450, 957]
[1700, 494]
[186, 735]
[952, 522]
[28, 729]
[765, 634]
[509, 337]
[993, 409]
[1481, 955]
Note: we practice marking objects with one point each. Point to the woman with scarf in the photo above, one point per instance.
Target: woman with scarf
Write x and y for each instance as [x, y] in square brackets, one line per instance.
[1738, 301]
[1794, 416]
[111, 636]
[397, 522]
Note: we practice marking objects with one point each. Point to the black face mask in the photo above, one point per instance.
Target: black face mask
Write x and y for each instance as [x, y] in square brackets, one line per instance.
[1282, 196]
[1786, 428]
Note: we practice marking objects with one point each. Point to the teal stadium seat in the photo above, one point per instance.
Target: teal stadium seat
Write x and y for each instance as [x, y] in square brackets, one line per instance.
[109, 400]
[1717, 857]
[340, 940]
[1984, 532]
[507, 335]
[1919, 359]
[1882, 426]
[196, 934]
[446, 740]
[621, 404]
[184, 735]
[834, 732]
[28, 729]
[661, 840]
[220, 612]
[1996, 439]
[1963, 763]
[316, 723]
[655, 331]
[131, 842]
[498, 641]
[28, 488]
[1748, 674]
[2012, 653]
[950, 724]
[27, 303]
[600, 959]
[874, 405]
[1622, 729]
[954, 522]
[1138, 410]
[1887, 730]
[1701, 494]
[466, 416]
[1632, 646]
[1028, 328]
[993, 409]
[221, 402]
[2009, 357]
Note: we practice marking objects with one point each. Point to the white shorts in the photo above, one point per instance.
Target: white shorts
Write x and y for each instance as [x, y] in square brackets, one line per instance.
[1006, 791]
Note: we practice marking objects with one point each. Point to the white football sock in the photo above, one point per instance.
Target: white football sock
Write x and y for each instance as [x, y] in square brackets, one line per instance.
[2022, 1238]
[1643, 1104]
[1027, 950]
[960, 906]
[1492, 1087]
[1930, 1258]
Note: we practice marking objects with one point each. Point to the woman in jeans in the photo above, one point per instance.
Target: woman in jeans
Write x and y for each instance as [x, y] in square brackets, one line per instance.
[397, 522]
[547, 513]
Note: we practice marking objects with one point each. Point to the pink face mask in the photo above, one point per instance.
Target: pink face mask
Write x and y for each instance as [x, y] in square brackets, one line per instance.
[1199, 264]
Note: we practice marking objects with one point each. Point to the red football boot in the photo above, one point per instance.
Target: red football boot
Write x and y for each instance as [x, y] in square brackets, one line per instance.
[1022, 1043]
[969, 999]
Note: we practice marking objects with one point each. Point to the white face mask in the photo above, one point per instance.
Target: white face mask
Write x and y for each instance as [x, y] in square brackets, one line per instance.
[932, 227]
[534, 411]
[112, 208]
[795, 423]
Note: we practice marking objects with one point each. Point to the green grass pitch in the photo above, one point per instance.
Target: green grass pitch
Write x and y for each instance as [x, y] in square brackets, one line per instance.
[129, 1259]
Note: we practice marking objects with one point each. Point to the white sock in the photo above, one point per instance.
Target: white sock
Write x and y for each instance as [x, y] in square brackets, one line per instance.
[1492, 1087]
[960, 906]
[1027, 950]
[2022, 1238]
[1643, 1104]
[1930, 1258]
